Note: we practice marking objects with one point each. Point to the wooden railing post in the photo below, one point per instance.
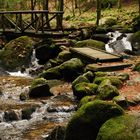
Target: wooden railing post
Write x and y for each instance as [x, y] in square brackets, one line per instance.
[3, 24]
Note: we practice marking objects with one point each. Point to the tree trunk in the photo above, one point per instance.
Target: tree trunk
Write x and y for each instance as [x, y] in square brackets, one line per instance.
[119, 4]
[98, 11]
[60, 16]
[139, 7]
[76, 4]
[46, 7]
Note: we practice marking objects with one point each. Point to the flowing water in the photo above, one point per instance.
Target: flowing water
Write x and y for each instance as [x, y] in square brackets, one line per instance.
[119, 42]
[48, 112]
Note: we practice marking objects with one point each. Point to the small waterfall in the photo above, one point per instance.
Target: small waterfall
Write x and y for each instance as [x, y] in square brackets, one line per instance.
[118, 43]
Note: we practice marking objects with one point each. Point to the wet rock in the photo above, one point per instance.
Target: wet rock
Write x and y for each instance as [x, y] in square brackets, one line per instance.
[45, 52]
[39, 88]
[10, 116]
[80, 79]
[86, 99]
[27, 112]
[52, 73]
[17, 53]
[89, 75]
[135, 41]
[101, 37]
[24, 96]
[71, 68]
[3, 72]
[64, 56]
[84, 89]
[106, 90]
[57, 133]
[124, 127]
[87, 121]
[115, 81]
[122, 101]
[91, 43]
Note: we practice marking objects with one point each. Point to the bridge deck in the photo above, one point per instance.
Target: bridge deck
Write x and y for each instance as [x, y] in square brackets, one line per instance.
[95, 55]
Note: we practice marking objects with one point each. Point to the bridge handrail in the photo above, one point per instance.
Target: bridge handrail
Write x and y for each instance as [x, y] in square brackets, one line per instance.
[31, 11]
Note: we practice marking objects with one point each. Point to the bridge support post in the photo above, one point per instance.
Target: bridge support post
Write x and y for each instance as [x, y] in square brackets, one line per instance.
[59, 18]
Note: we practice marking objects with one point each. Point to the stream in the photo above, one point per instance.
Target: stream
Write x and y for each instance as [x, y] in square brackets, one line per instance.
[46, 113]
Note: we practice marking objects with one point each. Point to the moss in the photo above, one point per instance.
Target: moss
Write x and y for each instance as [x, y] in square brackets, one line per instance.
[118, 128]
[80, 79]
[89, 118]
[123, 76]
[64, 56]
[16, 53]
[38, 82]
[114, 80]
[110, 22]
[106, 90]
[137, 67]
[71, 68]
[86, 99]
[135, 40]
[89, 75]
[100, 74]
[52, 73]
[83, 89]
[91, 43]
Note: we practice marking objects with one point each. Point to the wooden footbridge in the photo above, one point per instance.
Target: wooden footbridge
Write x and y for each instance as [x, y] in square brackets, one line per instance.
[33, 22]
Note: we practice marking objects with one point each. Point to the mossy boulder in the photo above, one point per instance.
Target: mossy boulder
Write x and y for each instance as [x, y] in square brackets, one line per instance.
[135, 40]
[71, 69]
[86, 99]
[89, 75]
[123, 127]
[17, 53]
[121, 100]
[115, 81]
[52, 73]
[64, 56]
[123, 76]
[106, 90]
[91, 43]
[87, 121]
[39, 88]
[137, 67]
[80, 79]
[84, 89]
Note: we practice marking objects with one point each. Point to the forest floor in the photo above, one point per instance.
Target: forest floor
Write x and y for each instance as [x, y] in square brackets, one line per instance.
[124, 16]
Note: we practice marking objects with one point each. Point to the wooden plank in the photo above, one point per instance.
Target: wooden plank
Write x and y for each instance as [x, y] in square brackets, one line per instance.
[108, 66]
[95, 54]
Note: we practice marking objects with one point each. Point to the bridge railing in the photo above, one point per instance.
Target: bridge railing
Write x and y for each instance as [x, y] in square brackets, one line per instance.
[36, 20]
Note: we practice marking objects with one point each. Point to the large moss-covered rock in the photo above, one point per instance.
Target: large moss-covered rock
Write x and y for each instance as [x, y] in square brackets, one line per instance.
[39, 88]
[52, 73]
[123, 127]
[72, 68]
[91, 43]
[84, 89]
[135, 40]
[87, 121]
[106, 90]
[115, 81]
[89, 75]
[16, 53]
